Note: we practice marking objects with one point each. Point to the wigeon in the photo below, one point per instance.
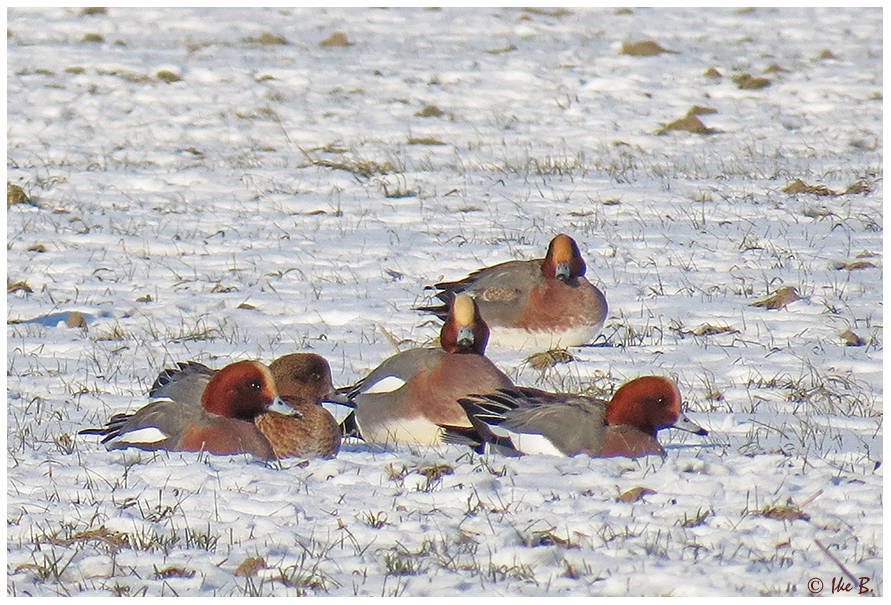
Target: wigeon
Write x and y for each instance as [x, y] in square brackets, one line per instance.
[409, 395]
[530, 421]
[235, 410]
[542, 304]
[303, 381]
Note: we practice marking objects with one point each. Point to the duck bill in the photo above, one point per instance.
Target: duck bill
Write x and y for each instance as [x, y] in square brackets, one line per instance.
[685, 424]
[562, 271]
[278, 405]
[465, 337]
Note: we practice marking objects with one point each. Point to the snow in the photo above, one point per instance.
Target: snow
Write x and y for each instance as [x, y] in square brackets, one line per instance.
[287, 197]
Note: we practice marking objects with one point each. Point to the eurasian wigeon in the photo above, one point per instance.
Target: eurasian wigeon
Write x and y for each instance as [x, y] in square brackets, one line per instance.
[530, 421]
[409, 395]
[541, 304]
[303, 381]
[235, 410]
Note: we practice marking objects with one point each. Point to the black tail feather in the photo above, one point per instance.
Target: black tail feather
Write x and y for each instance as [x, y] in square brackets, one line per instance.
[111, 429]
[191, 367]
[349, 428]
[459, 435]
[441, 311]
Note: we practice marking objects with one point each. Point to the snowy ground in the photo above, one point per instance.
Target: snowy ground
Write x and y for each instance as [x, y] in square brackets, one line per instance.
[217, 185]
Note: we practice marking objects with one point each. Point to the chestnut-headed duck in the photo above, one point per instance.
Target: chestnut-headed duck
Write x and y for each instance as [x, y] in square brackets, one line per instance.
[408, 396]
[540, 304]
[196, 408]
[303, 381]
[530, 421]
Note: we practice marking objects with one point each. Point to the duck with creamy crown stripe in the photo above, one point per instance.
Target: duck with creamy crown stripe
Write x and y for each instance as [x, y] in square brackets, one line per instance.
[540, 304]
[409, 395]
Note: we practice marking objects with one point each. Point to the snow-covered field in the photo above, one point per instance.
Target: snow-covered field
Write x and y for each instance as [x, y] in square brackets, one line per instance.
[224, 184]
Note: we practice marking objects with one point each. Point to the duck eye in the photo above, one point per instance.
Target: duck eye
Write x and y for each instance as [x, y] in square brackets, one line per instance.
[255, 385]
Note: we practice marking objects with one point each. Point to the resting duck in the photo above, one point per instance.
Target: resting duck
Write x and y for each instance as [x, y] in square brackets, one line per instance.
[244, 408]
[408, 396]
[541, 304]
[529, 421]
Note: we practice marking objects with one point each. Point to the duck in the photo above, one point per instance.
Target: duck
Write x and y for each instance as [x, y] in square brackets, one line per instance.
[303, 381]
[410, 395]
[538, 304]
[193, 407]
[518, 420]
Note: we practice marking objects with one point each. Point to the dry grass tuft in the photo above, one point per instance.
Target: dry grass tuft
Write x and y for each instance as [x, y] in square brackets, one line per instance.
[268, 39]
[634, 494]
[359, 167]
[16, 195]
[173, 572]
[699, 110]
[559, 12]
[784, 513]
[711, 72]
[337, 39]
[750, 82]
[113, 538]
[250, 566]
[16, 286]
[168, 76]
[425, 141]
[548, 359]
[435, 471]
[779, 299]
[696, 520]
[430, 111]
[500, 51]
[799, 186]
[76, 319]
[688, 124]
[708, 329]
[545, 537]
[858, 187]
[647, 48]
[851, 339]
[776, 68]
[855, 265]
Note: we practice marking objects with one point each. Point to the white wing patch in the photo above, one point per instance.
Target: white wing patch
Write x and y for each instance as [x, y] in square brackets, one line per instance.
[160, 399]
[340, 412]
[529, 443]
[387, 384]
[148, 434]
